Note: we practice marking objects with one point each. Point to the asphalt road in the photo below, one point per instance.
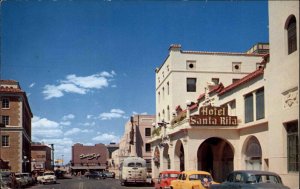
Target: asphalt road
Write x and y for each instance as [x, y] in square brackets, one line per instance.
[84, 183]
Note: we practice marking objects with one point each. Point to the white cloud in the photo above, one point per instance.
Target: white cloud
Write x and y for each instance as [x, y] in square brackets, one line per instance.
[31, 85]
[78, 84]
[65, 123]
[136, 113]
[89, 124]
[68, 117]
[38, 122]
[42, 127]
[75, 131]
[106, 138]
[114, 113]
[89, 116]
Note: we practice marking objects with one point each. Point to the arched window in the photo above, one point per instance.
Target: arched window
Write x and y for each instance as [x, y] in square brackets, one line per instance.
[253, 154]
[168, 113]
[291, 34]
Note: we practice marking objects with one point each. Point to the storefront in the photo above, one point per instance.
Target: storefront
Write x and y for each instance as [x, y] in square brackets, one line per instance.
[88, 158]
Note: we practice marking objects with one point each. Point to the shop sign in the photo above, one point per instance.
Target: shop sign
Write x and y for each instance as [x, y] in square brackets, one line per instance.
[213, 116]
[89, 156]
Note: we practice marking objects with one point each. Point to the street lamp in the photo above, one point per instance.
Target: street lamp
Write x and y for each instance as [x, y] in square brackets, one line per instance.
[164, 137]
[25, 160]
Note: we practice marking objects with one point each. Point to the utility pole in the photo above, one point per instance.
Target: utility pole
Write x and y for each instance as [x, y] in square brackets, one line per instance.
[52, 155]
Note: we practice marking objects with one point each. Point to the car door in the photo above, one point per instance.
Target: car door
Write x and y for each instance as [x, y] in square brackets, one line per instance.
[158, 182]
[176, 183]
[229, 183]
[182, 182]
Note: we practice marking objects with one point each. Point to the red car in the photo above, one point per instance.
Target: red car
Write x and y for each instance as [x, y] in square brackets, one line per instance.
[165, 178]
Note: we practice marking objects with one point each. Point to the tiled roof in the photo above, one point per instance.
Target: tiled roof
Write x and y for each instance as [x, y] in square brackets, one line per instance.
[201, 96]
[10, 90]
[243, 80]
[9, 82]
[216, 88]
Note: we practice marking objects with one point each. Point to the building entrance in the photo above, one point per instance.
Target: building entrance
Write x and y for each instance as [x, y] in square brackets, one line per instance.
[215, 155]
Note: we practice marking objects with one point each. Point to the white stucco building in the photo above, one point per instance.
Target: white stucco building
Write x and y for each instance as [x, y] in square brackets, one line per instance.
[251, 123]
[184, 75]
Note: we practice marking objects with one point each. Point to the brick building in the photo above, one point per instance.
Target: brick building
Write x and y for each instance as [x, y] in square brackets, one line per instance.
[40, 157]
[93, 158]
[15, 128]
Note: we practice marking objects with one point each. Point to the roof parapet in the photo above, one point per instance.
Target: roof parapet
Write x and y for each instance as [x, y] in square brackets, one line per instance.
[175, 47]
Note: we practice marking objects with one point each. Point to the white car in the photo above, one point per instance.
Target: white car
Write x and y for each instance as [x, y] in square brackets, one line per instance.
[47, 177]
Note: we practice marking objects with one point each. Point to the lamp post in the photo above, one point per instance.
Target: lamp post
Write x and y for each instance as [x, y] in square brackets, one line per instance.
[25, 161]
[163, 125]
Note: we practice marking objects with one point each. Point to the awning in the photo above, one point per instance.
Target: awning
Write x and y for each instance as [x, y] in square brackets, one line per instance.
[88, 167]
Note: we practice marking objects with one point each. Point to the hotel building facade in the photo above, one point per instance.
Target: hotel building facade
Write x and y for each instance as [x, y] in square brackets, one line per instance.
[228, 111]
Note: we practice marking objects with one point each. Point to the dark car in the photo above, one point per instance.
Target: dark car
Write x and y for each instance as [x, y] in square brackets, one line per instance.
[109, 174]
[251, 179]
[95, 175]
[7, 179]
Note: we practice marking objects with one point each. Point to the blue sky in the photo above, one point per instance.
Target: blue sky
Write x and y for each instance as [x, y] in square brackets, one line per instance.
[88, 65]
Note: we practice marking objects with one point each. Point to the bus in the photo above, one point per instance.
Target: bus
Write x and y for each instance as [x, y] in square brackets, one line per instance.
[133, 170]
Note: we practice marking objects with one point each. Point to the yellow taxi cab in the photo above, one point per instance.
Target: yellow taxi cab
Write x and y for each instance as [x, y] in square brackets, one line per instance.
[193, 180]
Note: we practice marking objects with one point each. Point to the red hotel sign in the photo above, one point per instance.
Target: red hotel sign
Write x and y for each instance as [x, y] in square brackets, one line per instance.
[213, 116]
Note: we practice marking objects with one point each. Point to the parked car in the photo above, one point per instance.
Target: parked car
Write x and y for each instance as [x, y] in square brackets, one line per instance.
[7, 180]
[28, 178]
[251, 179]
[109, 174]
[193, 180]
[95, 175]
[164, 179]
[47, 177]
[21, 181]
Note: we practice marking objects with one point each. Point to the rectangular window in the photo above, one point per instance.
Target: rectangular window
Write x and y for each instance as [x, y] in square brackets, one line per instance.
[260, 104]
[191, 84]
[5, 140]
[147, 131]
[148, 147]
[5, 120]
[5, 103]
[292, 145]
[215, 81]
[248, 108]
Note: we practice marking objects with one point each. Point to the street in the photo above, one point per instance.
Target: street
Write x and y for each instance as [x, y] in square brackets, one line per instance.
[83, 183]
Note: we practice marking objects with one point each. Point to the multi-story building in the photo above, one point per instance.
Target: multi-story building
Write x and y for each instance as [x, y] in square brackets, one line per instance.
[185, 74]
[282, 90]
[249, 124]
[94, 158]
[41, 157]
[135, 139]
[15, 130]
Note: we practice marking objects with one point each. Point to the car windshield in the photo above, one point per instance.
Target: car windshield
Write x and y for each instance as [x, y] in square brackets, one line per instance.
[201, 177]
[48, 173]
[171, 175]
[264, 179]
